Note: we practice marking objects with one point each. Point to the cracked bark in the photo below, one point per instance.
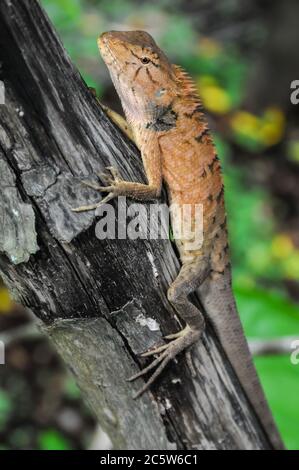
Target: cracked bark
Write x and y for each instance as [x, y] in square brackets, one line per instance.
[102, 302]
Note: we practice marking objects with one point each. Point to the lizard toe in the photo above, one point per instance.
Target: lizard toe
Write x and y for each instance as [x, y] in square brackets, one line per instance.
[167, 353]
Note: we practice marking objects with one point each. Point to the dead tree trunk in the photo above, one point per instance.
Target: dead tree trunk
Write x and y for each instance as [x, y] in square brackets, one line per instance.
[102, 302]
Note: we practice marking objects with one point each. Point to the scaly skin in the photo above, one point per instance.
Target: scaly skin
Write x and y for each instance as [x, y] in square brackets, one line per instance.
[165, 116]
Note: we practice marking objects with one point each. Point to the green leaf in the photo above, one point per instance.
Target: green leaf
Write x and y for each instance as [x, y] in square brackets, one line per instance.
[280, 380]
[5, 408]
[65, 14]
[53, 440]
[266, 314]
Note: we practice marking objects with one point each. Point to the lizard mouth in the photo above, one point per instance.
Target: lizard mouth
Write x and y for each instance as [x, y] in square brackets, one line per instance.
[106, 52]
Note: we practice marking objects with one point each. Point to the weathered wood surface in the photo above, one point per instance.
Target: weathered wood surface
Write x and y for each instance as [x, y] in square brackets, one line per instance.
[102, 302]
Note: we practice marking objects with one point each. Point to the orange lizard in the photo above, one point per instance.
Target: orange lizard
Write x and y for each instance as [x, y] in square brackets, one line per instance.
[165, 118]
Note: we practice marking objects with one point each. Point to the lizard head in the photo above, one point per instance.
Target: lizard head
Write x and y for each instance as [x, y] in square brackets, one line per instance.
[140, 71]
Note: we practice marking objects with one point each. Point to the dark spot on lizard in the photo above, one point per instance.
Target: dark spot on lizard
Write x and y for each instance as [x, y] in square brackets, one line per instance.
[220, 194]
[136, 73]
[151, 77]
[225, 249]
[200, 136]
[130, 63]
[211, 165]
[210, 197]
[223, 225]
[164, 118]
[201, 118]
[197, 109]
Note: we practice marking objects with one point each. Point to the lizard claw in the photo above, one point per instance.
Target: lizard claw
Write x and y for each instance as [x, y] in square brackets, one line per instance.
[113, 181]
[166, 353]
[91, 207]
[114, 171]
[91, 184]
[104, 177]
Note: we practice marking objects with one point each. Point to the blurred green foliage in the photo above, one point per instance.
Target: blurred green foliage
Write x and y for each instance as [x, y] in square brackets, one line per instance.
[51, 439]
[5, 408]
[270, 315]
[261, 256]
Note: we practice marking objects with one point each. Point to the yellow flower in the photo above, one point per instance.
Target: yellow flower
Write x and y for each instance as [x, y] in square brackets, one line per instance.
[274, 115]
[272, 127]
[243, 122]
[291, 266]
[281, 246]
[5, 301]
[215, 99]
[293, 150]
[266, 130]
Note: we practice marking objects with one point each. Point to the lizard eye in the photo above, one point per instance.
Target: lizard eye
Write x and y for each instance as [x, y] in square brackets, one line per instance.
[145, 60]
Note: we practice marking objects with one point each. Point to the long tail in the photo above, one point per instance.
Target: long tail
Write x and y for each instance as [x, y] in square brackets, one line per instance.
[219, 303]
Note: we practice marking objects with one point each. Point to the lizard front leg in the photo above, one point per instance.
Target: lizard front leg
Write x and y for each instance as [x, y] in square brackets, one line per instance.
[189, 278]
[151, 158]
[116, 185]
[119, 120]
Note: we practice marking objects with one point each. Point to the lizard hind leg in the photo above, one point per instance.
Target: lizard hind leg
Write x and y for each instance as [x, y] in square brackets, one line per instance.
[189, 278]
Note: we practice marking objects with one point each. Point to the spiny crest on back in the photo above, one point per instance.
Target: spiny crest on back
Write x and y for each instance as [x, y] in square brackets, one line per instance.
[186, 84]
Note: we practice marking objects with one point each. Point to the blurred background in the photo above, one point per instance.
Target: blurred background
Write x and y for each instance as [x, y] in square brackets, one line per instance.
[243, 56]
